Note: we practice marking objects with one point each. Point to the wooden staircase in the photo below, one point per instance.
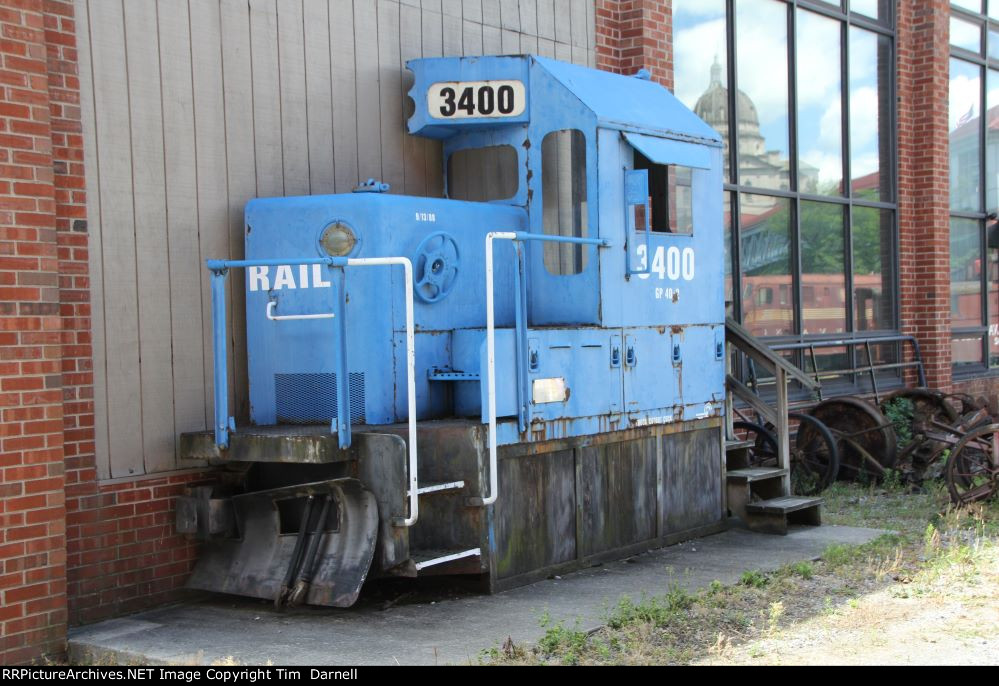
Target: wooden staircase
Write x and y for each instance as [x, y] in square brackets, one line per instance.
[761, 496]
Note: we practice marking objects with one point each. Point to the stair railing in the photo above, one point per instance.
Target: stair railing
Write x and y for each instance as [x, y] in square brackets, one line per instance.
[739, 338]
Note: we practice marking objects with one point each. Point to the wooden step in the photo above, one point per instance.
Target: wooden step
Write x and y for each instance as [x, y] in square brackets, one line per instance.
[783, 505]
[747, 475]
[773, 516]
[431, 558]
[738, 445]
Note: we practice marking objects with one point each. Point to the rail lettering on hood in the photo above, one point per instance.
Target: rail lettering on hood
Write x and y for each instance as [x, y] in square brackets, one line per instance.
[286, 277]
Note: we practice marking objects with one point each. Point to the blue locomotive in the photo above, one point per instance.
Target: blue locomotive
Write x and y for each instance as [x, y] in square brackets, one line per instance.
[519, 379]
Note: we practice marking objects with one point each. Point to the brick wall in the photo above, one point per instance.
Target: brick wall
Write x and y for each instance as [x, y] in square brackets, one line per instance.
[635, 34]
[32, 508]
[923, 193]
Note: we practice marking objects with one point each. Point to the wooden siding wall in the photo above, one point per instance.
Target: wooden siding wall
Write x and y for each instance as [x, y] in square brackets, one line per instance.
[191, 108]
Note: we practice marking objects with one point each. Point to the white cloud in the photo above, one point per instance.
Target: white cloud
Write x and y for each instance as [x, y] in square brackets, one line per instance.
[964, 97]
[695, 50]
[694, 9]
[864, 117]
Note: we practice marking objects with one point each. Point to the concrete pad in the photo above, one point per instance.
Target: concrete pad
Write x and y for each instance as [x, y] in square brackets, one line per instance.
[447, 631]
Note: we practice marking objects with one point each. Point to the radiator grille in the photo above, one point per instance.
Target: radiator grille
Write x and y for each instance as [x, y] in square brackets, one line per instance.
[312, 398]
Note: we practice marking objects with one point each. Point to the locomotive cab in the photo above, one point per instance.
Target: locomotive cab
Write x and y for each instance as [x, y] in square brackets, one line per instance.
[524, 376]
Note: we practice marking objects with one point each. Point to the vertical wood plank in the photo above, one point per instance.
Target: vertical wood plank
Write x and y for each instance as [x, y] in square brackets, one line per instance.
[295, 147]
[472, 10]
[577, 23]
[345, 170]
[528, 44]
[241, 165]
[509, 42]
[369, 147]
[433, 46]
[451, 7]
[471, 38]
[546, 48]
[389, 88]
[266, 98]
[510, 15]
[563, 51]
[414, 147]
[211, 167]
[95, 234]
[546, 19]
[114, 159]
[180, 178]
[491, 15]
[432, 6]
[451, 27]
[492, 41]
[319, 96]
[562, 22]
[529, 18]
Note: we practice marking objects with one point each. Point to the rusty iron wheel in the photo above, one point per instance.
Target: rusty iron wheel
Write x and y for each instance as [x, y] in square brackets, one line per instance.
[930, 412]
[865, 439]
[764, 450]
[972, 470]
[814, 456]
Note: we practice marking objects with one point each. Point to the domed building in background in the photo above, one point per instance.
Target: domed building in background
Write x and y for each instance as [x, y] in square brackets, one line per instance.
[757, 165]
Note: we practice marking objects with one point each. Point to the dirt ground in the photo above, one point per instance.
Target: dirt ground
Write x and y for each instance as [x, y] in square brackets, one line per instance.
[952, 619]
[928, 594]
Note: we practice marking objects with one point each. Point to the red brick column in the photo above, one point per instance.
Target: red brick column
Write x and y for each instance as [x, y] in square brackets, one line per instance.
[923, 182]
[32, 508]
[635, 34]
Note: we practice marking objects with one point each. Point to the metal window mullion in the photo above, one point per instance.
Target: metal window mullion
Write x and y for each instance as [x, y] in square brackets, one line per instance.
[794, 229]
[733, 89]
[736, 247]
[844, 84]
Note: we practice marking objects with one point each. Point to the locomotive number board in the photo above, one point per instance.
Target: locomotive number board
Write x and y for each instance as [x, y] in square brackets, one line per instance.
[476, 99]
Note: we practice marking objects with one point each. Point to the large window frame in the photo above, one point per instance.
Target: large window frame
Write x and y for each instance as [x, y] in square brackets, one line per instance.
[735, 189]
[986, 20]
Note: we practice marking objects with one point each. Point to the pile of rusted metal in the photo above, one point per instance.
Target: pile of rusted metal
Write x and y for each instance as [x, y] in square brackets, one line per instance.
[912, 435]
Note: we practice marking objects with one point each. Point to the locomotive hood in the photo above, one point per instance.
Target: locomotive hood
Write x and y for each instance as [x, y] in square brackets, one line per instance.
[627, 103]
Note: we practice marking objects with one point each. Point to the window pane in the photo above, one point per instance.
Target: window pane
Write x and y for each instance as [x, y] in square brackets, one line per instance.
[820, 100]
[994, 9]
[993, 44]
[871, 72]
[700, 59]
[765, 248]
[876, 9]
[482, 174]
[965, 273]
[873, 238]
[761, 103]
[563, 189]
[966, 351]
[965, 34]
[965, 135]
[970, 5]
[823, 269]
[992, 141]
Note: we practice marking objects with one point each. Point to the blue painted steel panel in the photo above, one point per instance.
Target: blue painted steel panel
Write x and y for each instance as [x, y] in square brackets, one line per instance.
[666, 151]
[629, 103]
[608, 334]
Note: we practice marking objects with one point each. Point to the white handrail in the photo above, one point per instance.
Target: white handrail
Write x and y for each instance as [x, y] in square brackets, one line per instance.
[271, 304]
[491, 362]
[414, 498]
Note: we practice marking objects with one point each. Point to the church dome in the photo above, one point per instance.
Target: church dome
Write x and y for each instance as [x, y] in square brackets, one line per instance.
[712, 106]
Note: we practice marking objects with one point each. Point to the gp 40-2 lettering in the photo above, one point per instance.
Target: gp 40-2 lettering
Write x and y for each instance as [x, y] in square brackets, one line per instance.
[474, 99]
[671, 263]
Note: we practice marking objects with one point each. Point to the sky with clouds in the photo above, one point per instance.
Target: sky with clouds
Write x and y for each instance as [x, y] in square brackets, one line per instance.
[699, 30]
